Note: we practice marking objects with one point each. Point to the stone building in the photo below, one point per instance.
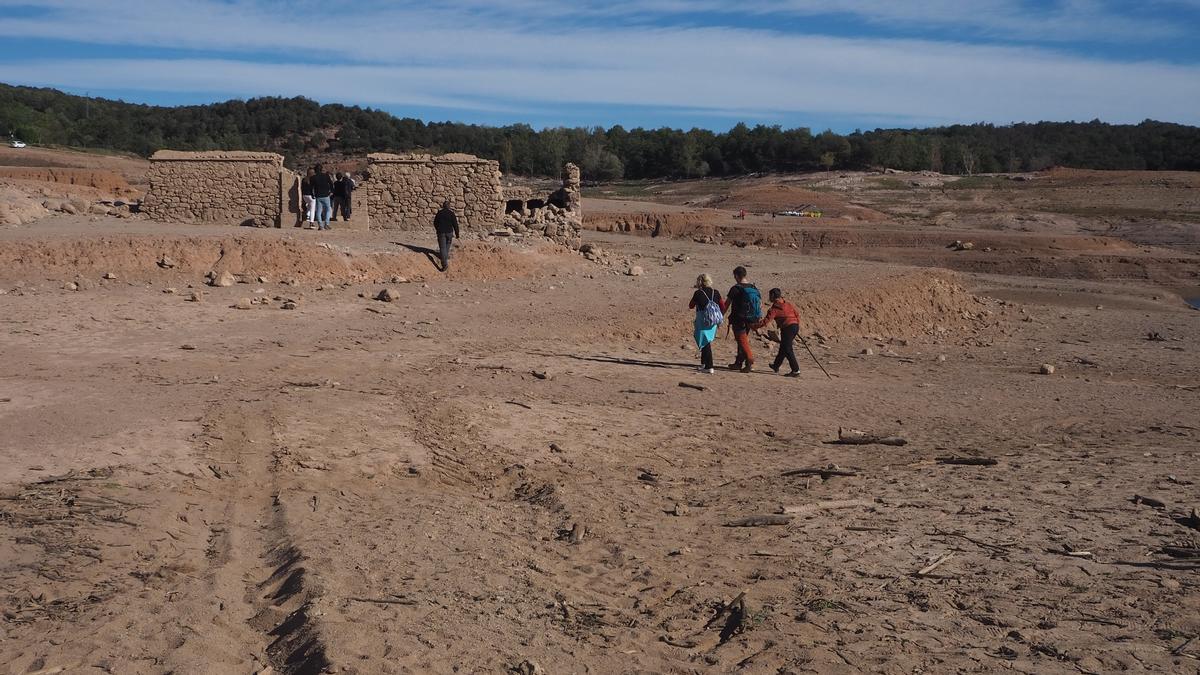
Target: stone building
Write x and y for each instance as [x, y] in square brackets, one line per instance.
[236, 188]
[405, 191]
[401, 192]
[557, 216]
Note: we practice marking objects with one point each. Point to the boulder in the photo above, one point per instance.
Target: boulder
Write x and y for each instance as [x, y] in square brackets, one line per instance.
[634, 271]
[387, 295]
[222, 280]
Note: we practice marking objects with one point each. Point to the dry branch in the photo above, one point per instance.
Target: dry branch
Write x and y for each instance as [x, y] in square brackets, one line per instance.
[825, 474]
[934, 565]
[760, 521]
[968, 461]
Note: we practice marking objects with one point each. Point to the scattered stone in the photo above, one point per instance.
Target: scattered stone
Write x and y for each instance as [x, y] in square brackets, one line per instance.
[680, 510]
[221, 280]
[166, 262]
[399, 280]
[1046, 369]
[109, 275]
[170, 291]
[71, 286]
[540, 374]
[868, 352]
[195, 296]
[634, 271]
[941, 358]
[263, 280]
[387, 295]
[187, 347]
[288, 305]
[244, 303]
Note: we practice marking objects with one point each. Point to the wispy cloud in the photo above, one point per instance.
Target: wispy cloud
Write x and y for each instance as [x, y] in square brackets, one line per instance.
[472, 57]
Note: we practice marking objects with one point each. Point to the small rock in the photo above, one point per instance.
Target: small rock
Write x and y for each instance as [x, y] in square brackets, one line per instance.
[244, 303]
[868, 352]
[195, 296]
[941, 358]
[263, 280]
[221, 280]
[109, 275]
[387, 295]
[187, 347]
[288, 305]
[680, 510]
[540, 374]
[166, 263]
[71, 286]
[1046, 369]
[635, 271]
[170, 291]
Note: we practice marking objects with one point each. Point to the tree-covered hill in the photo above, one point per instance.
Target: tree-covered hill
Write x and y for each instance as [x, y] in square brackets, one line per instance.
[300, 128]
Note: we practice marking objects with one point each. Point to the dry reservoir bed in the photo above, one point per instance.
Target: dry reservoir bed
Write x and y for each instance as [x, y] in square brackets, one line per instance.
[500, 470]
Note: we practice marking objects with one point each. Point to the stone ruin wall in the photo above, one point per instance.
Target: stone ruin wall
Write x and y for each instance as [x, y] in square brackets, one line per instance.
[236, 188]
[557, 216]
[404, 192]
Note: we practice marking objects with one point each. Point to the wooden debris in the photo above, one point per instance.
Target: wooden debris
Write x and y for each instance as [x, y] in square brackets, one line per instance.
[826, 505]
[934, 565]
[643, 392]
[689, 385]
[968, 461]
[1179, 650]
[856, 437]
[825, 474]
[1148, 501]
[385, 601]
[518, 403]
[760, 521]
[735, 623]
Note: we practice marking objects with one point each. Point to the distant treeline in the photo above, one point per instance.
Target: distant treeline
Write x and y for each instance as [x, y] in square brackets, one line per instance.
[300, 129]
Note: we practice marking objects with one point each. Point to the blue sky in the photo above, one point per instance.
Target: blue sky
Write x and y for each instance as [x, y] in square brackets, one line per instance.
[839, 64]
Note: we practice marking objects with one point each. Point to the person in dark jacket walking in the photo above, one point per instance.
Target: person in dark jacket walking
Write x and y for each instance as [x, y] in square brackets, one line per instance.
[445, 223]
[745, 308]
[787, 319]
[341, 196]
[322, 187]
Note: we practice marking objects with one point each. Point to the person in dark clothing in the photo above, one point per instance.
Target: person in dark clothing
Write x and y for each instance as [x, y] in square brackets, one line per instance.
[708, 319]
[322, 187]
[341, 196]
[307, 203]
[744, 303]
[787, 319]
[445, 223]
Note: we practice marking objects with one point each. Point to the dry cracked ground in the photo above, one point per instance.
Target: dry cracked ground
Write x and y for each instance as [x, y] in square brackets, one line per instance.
[516, 468]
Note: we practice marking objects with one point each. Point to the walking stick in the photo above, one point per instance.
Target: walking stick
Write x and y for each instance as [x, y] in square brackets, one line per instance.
[814, 356]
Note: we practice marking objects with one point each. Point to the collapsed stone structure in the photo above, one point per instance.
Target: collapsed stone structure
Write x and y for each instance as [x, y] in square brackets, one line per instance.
[405, 191]
[236, 188]
[557, 216]
[396, 192]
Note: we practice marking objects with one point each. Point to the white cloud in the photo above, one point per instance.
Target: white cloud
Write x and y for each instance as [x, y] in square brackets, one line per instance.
[397, 55]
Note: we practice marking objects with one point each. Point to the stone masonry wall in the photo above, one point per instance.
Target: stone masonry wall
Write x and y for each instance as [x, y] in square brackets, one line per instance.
[405, 191]
[237, 188]
[558, 217]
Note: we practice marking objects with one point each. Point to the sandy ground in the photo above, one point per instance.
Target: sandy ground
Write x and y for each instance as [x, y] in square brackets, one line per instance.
[501, 472]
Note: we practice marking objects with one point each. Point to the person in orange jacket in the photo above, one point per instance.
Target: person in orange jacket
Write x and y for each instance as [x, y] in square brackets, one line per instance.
[787, 319]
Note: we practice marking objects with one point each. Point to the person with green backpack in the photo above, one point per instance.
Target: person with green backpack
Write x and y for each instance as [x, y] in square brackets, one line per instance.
[710, 312]
[745, 309]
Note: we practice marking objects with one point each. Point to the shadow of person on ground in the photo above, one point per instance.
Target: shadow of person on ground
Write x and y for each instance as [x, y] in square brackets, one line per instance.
[435, 257]
[624, 361]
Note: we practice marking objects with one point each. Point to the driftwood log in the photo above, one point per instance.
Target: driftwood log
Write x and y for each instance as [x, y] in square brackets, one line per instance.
[826, 505]
[968, 461]
[825, 474]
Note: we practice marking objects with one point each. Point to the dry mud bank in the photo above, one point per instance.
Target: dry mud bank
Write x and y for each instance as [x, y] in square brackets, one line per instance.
[501, 472]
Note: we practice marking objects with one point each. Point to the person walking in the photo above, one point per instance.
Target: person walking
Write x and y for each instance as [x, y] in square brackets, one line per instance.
[322, 188]
[306, 199]
[744, 303]
[787, 319]
[710, 313]
[341, 196]
[445, 223]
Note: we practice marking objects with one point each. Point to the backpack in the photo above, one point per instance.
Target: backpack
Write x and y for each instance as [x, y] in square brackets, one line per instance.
[710, 314]
[749, 304]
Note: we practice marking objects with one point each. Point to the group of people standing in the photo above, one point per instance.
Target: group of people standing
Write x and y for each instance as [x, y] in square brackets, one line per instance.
[743, 304]
[323, 196]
